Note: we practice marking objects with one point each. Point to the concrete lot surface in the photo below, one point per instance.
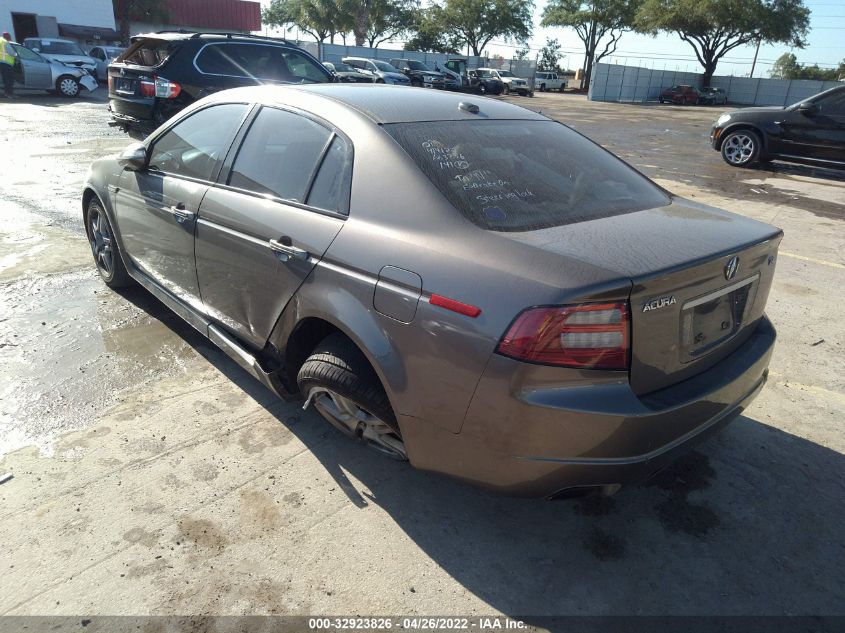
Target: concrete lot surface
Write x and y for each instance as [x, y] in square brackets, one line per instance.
[153, 476]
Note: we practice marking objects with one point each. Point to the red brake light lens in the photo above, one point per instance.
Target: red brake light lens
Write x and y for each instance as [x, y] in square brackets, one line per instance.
[160, 87]
[588, 336]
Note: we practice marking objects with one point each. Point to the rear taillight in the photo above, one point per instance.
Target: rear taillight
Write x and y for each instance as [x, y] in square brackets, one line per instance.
[160, 87]
[589, 336]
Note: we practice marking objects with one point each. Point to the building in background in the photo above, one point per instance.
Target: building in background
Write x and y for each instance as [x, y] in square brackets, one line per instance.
[85, 21]
[236, 16]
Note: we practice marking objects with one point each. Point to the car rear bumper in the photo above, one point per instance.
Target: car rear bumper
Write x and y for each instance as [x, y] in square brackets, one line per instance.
[527, 434]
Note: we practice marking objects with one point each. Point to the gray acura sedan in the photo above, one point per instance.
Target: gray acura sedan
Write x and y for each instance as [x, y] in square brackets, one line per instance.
[455, 280]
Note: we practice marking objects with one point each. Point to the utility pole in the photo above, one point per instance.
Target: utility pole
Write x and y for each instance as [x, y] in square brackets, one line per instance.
[754, 63]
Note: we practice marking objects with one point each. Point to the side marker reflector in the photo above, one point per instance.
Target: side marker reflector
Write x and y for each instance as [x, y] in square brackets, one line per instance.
[454, 306]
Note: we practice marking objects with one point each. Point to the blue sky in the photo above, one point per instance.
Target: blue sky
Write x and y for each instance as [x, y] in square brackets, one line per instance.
[826, 45]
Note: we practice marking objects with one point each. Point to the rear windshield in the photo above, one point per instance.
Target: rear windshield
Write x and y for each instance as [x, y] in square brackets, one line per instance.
[524, 175]
[148, 52]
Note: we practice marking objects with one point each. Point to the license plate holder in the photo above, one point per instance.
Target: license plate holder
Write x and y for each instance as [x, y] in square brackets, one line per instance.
[714, 318]
[125, 86]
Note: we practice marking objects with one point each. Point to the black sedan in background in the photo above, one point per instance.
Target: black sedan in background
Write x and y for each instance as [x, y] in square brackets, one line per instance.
[810, 131]
[348, 74]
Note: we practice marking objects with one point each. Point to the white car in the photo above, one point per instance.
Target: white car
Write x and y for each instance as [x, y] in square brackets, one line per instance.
[34, 72]
[511, 82]
[383, 72]
[549, 81]
[65, 51]
[104, 55]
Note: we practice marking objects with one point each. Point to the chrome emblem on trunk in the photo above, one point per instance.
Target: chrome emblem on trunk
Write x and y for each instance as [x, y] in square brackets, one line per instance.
[731, 267]
[661, 302]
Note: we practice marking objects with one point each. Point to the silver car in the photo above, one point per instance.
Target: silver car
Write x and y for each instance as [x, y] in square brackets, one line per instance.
[452, 279]
[383, 72]
[58, 50]
[34, 72]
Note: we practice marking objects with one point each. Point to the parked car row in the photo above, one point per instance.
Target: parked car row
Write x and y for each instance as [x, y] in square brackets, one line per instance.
[684, 95]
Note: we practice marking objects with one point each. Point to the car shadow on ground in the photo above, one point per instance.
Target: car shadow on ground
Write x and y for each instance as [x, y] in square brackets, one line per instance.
[749, 523]
[49, 100]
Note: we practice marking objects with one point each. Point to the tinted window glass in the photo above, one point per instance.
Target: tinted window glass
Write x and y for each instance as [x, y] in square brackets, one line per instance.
[331, 186]
[260, 62]
[279, 154]
[196, 146]
[524, 175]
[833, 104]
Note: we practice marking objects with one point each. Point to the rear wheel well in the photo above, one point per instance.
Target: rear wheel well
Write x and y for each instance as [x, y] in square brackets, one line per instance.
[304, 338]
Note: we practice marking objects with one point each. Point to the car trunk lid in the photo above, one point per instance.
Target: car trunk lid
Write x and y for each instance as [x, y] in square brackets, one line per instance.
[690, 306]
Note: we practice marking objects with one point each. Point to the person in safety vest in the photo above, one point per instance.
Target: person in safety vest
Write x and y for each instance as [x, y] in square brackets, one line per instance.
[7, 65]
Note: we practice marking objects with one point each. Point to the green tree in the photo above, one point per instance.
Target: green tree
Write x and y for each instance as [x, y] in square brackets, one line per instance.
[476, 22]
[549, 56]
[598, 23]
[785, 67]
[321, 19]
[139, 10]
[715, 27]
[429, 35]
[522, 53]
[388, 19]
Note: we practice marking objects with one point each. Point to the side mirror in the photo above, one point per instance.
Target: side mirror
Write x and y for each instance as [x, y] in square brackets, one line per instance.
[133, 157]
[808, 109]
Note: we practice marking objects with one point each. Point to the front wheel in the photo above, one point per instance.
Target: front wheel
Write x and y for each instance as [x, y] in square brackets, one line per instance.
[741, 148]
[67, 86]
[104, 246]
[542, 87]
[337, 379]
[506, 90]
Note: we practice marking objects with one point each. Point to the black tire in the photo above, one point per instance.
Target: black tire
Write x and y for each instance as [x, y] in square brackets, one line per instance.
[506, 90]
[379, 81]
[660, 99]
[337, 364]
[741, 148]
[542, 87]
[111, 269]
[68, 86]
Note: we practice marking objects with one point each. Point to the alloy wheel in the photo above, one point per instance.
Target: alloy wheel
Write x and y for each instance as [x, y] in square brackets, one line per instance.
[101, 241]
[739, 149]
[349, 418]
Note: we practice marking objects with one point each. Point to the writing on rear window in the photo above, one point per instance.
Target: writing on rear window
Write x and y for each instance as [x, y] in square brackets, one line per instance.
[523, 175]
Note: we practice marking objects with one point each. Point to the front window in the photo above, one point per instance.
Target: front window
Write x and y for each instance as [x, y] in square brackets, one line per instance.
[415, 65]
[385, 67]
[506, 73]
[486, 74]
[524, 175]
[343, 68]
[26, 54]
[195, 147]
[60, 48]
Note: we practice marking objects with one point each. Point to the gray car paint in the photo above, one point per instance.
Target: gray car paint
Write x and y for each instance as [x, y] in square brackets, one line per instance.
[462, 409]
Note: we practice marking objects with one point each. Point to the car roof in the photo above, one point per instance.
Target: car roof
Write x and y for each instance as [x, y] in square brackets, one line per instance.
[182, 35]
[394, 104]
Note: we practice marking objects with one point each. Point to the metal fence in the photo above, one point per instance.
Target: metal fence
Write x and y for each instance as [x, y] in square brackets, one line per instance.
[611, 82]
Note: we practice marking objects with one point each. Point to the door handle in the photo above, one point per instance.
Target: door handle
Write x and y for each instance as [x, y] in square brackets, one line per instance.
[286, 251]
[181, 213]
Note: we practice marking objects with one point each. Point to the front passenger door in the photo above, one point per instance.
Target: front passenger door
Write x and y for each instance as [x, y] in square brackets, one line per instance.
[268, 222]
[157, 207]
[32, 70]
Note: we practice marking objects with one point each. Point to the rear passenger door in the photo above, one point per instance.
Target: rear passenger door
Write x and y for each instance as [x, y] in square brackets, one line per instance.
[280, 201]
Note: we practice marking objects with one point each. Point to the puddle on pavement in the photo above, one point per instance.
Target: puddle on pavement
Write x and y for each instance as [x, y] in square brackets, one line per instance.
[69, 347]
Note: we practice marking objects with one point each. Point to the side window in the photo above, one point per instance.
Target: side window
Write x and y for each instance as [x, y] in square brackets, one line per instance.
[833, 104]
[372, 67]
[26, 54]
[301, 68]
[196, 146]
[97, 53]
[279, 154]
[330, 190]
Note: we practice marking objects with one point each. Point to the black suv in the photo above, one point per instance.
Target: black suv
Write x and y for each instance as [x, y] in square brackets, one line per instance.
[811, 131]
[161, 73]
[420, 75]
